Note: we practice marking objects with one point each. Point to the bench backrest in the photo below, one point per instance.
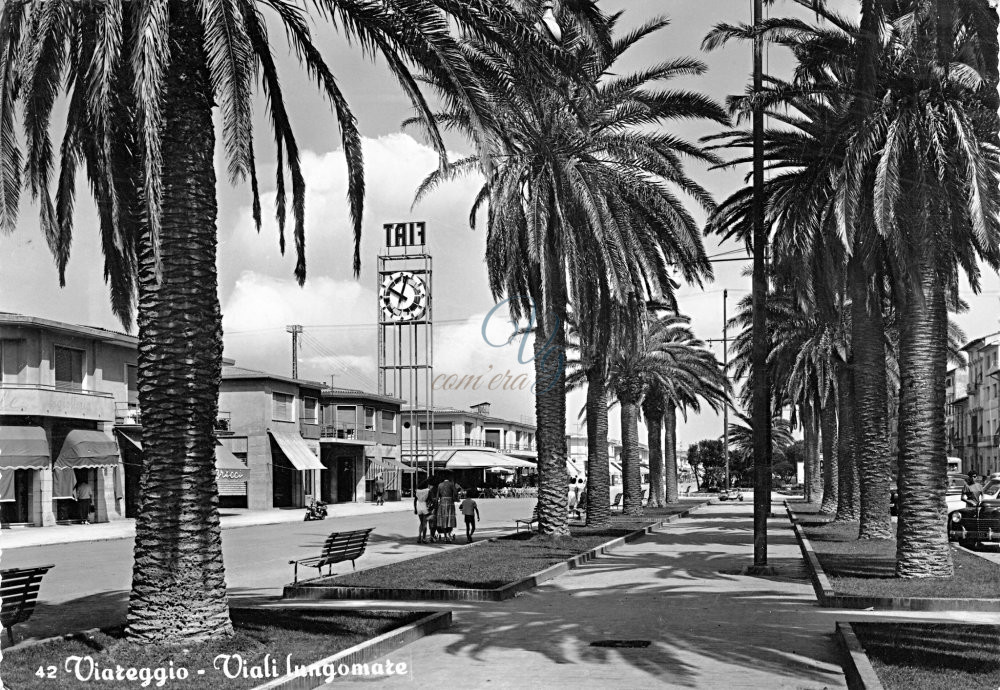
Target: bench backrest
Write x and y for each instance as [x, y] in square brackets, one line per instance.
[618, 500]
[19, 591]
[346, 545]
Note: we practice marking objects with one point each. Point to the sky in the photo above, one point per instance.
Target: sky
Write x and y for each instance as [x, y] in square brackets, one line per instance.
[257, 290]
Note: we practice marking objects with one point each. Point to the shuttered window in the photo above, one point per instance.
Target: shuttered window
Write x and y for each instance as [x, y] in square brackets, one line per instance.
[69, 368]
[388, 422]
[283, 407]
[309, 410]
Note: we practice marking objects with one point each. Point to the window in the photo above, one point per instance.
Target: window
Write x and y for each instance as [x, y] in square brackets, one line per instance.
[69, 368]
[282, 407]
[369, 419]
[132, 382]
[309, 410]
[388, 425]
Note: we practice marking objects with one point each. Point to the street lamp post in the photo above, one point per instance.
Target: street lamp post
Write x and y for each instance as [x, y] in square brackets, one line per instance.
[761, 412]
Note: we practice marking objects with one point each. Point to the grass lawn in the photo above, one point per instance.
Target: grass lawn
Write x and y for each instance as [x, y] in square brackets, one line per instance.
[307, 636]
[866, 568]
[932, 656]
[490, 565]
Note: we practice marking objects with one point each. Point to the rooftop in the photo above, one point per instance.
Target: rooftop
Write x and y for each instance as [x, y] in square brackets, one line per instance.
[101, 334]
[234, 372]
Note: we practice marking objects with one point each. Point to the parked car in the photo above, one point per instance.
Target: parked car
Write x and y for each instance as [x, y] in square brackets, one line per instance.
[953, 495]
[975, 524]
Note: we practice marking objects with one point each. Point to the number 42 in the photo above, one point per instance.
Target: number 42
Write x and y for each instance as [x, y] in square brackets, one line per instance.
[46, 672]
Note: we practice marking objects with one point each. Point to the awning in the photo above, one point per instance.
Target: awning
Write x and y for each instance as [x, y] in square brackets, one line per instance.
[23, 447]
[87, 448]
[392, 465]
[134, 441]
[228, 466]
[481, 459]
[295, 449]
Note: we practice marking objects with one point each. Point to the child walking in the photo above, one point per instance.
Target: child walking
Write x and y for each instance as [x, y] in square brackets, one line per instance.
[471, 512]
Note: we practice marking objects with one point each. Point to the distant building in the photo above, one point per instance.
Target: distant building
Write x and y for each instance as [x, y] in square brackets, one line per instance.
[60, 389]
[982, 409]
[956, 411]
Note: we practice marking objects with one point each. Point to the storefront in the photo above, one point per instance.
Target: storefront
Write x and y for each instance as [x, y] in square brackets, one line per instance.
[231, 476]
[88, 464]
[293, 470]
[24, 455]
[392, 471]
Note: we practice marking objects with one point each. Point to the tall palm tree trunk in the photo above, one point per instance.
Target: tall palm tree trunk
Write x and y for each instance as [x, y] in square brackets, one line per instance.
[598, 472]
[831, 477]
[178, 578]
[871, 439]
[810, 439]
[670, 451]
[631, 470]
[849, 496]
[653, 410]
[922, 548]
[550, 391]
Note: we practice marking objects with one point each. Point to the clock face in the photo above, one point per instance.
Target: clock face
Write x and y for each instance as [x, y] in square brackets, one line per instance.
[403, 296]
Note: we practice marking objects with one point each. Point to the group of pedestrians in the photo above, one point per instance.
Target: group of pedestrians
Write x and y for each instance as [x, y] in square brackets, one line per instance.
[434, 504]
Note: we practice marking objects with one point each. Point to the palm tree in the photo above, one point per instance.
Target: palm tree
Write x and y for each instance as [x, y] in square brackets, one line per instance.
[580, 192]
[936, 199]
[670, 362]
[741, 439]
[141, 80]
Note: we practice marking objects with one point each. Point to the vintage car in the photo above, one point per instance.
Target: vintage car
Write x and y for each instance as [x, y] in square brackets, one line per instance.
[975, 524]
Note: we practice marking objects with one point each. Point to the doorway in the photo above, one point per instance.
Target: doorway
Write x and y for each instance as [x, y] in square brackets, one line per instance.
[282, 479]
[18, 511]
[345, 480]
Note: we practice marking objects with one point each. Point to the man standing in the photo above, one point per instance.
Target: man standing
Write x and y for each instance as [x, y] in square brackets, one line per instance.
[379, 490]
[83, 496]
[973, 491]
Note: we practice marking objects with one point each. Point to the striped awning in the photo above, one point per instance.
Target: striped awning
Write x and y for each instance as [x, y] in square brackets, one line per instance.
[23, 448]
[295, 449]
[87, 448]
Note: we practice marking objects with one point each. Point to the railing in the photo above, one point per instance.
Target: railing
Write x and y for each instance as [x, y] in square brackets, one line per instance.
[224, 421]
[476, 443]
[347, 432]
[128, 414]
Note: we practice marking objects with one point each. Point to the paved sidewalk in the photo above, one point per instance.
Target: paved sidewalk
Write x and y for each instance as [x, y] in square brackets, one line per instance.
[678, 588]
[231, 518]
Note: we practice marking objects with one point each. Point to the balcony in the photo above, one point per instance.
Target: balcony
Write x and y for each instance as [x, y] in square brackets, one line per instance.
[475, 443]
[348, 433]
[127, 414]
[52, 401]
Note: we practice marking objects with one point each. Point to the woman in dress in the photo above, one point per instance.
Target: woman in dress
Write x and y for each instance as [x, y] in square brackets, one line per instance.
[446, 492]
[421, 509]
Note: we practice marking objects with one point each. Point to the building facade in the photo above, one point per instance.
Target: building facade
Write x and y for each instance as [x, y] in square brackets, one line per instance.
[60, 389]
[360, 440]
[977, 418]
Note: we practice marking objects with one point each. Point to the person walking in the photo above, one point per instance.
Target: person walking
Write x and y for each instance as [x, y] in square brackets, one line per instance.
[379, 490]
[421, 510]
[471, 512]
[83, 496]
[447, 491]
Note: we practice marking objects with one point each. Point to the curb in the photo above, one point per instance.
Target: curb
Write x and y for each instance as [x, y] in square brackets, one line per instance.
[857, 667]
[508, 591]
[828, 598]
[312, 676]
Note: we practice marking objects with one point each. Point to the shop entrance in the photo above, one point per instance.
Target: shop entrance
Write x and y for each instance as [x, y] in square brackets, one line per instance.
[18, 511]
[345, 480]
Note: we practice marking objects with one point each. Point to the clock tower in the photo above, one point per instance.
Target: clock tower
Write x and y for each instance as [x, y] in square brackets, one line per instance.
[406, 335]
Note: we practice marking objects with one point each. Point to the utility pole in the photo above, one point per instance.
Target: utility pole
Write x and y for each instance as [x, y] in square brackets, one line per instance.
[295, 330]
[761, 407]
[725, 369]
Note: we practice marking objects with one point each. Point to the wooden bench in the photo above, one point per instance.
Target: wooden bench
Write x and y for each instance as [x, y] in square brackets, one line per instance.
[338, 548]
[527, 522]
[19, 592]
[617, 505]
